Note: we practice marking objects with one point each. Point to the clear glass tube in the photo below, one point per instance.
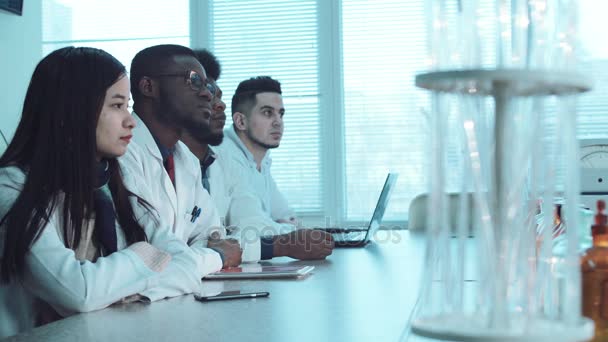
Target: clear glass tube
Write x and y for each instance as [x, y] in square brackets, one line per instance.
[510, 154]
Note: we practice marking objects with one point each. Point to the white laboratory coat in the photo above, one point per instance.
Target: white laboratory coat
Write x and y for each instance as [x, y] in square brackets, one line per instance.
[238, 204]
[55, 277]
[220, 188]
[145, 175]
[256, 199]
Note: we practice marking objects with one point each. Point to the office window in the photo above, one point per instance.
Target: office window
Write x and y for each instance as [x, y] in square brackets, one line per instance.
[278, 38]
[386, 123]
[593, 56]
[122, 28]
[383, 47]
[347, 68]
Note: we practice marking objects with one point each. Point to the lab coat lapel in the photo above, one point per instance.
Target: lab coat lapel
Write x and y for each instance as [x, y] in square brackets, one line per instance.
[165, 180]
[185, 175]
[155, 162]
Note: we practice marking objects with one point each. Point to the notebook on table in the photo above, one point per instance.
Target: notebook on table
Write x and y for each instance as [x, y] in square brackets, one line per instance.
[257, 271]
[359, 237]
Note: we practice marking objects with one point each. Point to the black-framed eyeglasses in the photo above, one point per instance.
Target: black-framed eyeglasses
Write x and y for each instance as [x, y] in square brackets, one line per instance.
[195, 81]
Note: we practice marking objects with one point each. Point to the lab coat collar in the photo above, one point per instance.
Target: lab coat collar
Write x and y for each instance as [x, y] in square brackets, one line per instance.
[142, 135]
[230, 133]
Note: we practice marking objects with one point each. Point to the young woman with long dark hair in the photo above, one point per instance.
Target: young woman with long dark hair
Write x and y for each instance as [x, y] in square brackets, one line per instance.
[73, 238]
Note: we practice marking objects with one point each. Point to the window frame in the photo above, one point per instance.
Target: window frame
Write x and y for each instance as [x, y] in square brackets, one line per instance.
[331, 90]
[201, 26]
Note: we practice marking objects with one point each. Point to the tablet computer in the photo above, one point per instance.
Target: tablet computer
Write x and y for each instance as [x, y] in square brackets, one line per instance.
[256, 271]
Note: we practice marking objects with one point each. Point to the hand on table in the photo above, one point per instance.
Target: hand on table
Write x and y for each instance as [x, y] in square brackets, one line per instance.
[231, 250]
[304, 244]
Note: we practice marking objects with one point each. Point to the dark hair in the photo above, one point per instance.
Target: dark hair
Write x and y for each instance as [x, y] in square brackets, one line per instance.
[55, 145]
[209, 62]
[244, 95]
[154, 60]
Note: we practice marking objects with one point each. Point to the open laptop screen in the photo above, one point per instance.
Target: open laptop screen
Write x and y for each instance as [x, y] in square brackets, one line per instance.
[385, 195]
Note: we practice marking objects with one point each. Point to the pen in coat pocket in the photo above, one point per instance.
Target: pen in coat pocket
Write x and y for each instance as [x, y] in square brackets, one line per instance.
[196, 212]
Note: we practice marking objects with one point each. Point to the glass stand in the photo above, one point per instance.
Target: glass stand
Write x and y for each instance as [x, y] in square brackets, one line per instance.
[500, 319]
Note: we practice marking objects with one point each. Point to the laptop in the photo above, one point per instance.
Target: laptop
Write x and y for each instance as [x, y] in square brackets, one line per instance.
[359, 237]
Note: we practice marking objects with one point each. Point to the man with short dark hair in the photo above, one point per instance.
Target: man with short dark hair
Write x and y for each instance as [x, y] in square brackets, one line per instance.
[257, 114]
[235, 200]
[172, 95]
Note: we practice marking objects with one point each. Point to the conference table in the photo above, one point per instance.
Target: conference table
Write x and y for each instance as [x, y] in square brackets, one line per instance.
[356, 294]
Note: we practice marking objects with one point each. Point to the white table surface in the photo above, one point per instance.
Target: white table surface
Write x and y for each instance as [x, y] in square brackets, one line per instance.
[357, 294]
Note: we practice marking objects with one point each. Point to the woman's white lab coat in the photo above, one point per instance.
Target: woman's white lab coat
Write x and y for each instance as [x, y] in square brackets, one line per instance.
[54, 277]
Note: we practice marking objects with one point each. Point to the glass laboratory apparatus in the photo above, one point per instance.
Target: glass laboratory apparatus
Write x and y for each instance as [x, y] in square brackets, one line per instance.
[502, 91]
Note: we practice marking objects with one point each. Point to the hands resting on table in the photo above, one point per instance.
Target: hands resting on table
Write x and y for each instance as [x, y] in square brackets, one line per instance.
[303, 244]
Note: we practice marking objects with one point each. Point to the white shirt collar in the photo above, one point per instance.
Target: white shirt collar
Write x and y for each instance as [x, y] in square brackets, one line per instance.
[230, 133]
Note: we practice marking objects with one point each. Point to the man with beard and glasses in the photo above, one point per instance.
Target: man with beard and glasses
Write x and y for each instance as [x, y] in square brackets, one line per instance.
[236, 201]
[200, 143]
[257, 114]
[172, 95]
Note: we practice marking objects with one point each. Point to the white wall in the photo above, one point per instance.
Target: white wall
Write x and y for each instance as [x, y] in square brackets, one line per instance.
[20, 51]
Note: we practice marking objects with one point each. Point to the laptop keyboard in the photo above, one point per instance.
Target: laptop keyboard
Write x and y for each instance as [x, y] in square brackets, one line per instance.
[349, 236]
[343, 230]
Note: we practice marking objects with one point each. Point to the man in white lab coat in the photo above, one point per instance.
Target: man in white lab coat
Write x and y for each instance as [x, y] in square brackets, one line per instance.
[237, 202]
[171, 94]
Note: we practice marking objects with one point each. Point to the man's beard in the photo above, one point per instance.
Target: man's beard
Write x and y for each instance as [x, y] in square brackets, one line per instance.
[200, 131]
[258, 142]
[202, 134]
